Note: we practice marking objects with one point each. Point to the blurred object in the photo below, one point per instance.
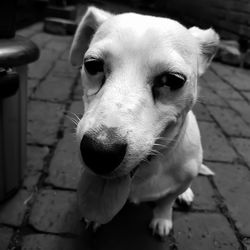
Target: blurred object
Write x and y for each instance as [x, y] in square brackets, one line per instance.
[60, 18]
[59, 26]
[15, 54]
[9, 83]
[228, 52]
[243, 43]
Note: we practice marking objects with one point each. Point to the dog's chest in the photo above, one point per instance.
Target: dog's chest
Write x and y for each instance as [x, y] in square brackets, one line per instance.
[152, 182]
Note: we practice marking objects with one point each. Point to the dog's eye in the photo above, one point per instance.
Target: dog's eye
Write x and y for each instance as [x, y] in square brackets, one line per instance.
[172, 80]
[93, 66]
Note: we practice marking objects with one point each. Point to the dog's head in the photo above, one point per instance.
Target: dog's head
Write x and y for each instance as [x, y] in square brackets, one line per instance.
[139, 75]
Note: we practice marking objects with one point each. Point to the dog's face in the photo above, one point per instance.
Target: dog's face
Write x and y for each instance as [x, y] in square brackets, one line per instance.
[139, 75]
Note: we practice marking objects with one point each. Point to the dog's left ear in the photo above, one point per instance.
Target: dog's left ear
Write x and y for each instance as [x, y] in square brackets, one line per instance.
[208, 40]
[90, 22]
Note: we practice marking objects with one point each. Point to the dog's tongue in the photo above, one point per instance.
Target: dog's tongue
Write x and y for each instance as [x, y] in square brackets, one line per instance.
[101, 199]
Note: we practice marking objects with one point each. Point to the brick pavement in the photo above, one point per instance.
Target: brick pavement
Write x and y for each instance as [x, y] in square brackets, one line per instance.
[43, 214]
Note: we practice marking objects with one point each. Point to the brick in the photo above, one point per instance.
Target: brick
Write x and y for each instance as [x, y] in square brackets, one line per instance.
[12, 211]
[243, 108]
[47, 54]
[78, 91]
[66, 12]
[31, 85]
[201, 113]
[209, 97]
[203, 231]
[48, 242]
[40, 39]
[5, 236]
[246, 94]
[59, 26]
[213, 81]
[76, 109]
[221, 88]
[215, 145]
[243, 148]
[229, 94]
[43, 122]
[231, 123]
[238, 78]
[204, 194]
[57, 45]
[54, 88]
[65, 55]
[233, 182]
[39, 69]
[65, 168]
[65, 69]
[34, 165]
[129, 230]
[246, 243]
[56, 211]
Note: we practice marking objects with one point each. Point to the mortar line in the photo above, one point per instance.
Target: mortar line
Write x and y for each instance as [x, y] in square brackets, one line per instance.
[17, 244]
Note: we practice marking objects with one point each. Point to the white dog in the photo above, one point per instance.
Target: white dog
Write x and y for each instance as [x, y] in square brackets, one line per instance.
[138, 137]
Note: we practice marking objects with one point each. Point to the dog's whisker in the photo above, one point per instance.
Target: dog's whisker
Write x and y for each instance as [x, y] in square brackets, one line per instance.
[73, 120]
[77, 117]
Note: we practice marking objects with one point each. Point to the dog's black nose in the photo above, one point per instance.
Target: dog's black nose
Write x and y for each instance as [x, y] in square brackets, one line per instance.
[103, 150]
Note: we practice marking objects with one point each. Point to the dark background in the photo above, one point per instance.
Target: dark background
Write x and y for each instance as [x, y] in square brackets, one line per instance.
[231, 18]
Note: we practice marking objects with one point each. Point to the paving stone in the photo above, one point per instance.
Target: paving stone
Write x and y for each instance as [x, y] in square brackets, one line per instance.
[230, 121]
[64, 69]
[237, 77]
[34, 165]
[5, 236]
[213, 81]
[65, 55]
[243, 148]
[129, 230]
[59, 26]
[43, 122]
[197, 231]
[209, 97]
[229, 94]
[215, 145]
[55, 211]
[54, 88]
[243, 108]
[246, 243]
[201, 113]
[40, 39]
[246, 94]
[204, 194]
[76, 110]
[31, 85]
[233, 182]
[78, 91]
[48, 242]
[65, 168]
[12, 211]
[47, 54]
[58, 46]
[39, 69]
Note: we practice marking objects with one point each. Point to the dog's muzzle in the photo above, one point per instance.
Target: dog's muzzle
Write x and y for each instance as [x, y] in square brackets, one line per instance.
[103, 150]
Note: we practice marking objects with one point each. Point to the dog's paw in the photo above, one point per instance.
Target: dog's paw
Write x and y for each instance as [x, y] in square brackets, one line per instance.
[186, 199]
[161, 227]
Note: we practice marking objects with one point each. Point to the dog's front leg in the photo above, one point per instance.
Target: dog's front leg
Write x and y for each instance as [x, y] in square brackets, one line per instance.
[161, 223]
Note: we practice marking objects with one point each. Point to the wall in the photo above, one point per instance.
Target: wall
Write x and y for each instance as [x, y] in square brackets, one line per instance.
[231, 18]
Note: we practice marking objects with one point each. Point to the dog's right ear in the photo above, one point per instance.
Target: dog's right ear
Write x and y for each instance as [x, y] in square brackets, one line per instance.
[90, 22]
